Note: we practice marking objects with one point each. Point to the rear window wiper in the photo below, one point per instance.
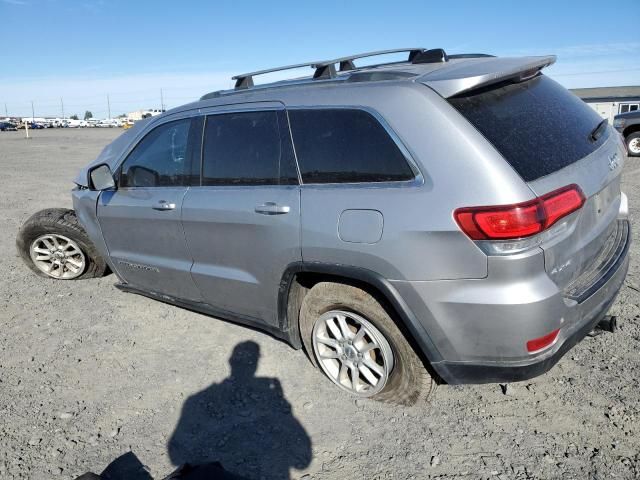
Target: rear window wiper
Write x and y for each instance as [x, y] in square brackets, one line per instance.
[597, 132]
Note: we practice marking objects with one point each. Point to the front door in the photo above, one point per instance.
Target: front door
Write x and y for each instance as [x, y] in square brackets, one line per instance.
[140, 221]
[243, 224]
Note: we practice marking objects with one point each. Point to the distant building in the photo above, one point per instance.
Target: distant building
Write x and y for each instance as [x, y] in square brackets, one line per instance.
[140, 114]
[610, 101]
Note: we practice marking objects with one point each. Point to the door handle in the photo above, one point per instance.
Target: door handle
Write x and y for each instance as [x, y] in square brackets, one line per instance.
[272, 208]
[164, 205]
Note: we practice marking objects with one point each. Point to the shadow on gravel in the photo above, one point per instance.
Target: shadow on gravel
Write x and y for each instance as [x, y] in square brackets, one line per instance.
[125, 467]
[243, 422]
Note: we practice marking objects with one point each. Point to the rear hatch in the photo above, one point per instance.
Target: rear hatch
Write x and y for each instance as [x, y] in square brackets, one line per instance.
[552, 139]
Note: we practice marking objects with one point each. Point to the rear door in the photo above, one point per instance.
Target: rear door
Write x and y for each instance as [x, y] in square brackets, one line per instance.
[553, 139]
[243, 223]
[140, 221]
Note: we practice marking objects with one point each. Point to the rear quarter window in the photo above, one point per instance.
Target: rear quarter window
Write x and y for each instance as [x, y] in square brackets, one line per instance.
[345, 146]
[538, 126]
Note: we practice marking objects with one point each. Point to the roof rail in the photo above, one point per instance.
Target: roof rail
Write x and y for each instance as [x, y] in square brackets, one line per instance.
[346, 63]
[471, 55]
[323, 69]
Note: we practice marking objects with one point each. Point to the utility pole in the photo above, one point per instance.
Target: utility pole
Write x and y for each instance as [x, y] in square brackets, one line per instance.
[62, 107]
[161, 101]
[6, 112]
[108, 106]
[33, 115]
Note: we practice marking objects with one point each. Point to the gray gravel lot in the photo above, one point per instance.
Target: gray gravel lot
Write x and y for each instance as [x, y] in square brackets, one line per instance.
[88, 373]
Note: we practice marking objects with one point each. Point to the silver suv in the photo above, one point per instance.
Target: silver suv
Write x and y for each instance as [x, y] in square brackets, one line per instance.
[431, 218]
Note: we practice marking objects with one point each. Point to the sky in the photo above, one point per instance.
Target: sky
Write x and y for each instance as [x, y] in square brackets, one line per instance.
[77, 52]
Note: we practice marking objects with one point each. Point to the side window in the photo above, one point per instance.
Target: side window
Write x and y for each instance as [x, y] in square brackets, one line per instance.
[160, 159]
[246, 148]
[345, 146]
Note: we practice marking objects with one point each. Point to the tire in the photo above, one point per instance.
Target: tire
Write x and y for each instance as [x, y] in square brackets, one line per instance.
[407, 383]
[633, 144]
[60, 224]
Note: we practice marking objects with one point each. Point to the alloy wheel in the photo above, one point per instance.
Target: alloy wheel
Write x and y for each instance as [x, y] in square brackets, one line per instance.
[352, 352]
[58, 256]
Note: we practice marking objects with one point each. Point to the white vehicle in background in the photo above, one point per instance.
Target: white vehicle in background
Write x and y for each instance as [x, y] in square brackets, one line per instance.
[54, 122]
[107, 123]
[76, 123]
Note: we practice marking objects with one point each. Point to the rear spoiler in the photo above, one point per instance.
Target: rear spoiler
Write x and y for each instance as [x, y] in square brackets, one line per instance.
[469, 75]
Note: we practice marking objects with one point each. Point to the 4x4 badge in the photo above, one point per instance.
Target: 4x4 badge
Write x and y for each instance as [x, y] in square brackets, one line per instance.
[613, 161]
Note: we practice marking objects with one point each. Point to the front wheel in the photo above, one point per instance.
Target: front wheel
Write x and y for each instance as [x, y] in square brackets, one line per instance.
[633, 144]
[53, 244]
[358, 346]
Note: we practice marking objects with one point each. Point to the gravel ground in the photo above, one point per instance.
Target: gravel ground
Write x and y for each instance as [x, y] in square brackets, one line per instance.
[89, 375]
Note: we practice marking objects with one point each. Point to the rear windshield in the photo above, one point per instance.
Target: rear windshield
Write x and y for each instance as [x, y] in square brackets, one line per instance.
[538, 126]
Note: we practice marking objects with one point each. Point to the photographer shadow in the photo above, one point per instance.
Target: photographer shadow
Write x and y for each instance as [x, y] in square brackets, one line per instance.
[243, 422]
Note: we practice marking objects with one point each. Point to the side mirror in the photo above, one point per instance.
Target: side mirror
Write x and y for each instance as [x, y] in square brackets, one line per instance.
[101, 178]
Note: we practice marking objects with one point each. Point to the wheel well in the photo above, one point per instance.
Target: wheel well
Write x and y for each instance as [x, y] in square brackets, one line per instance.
[631, 129]
[306, 281]
[302, 282]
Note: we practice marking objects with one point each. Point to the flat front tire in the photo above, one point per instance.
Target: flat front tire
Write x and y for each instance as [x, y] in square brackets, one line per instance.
[359, 347]
[54, 245]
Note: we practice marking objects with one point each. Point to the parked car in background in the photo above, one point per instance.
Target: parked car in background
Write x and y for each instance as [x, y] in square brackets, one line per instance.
[107, 123]
[628, 124]
[76, 123]
[31, 125]
[439, 211]
[8, 127]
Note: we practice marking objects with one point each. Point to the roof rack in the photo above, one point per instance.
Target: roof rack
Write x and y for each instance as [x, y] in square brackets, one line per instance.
[324, 69]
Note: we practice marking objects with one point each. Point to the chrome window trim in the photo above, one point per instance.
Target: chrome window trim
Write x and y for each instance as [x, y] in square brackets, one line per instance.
[416, 181]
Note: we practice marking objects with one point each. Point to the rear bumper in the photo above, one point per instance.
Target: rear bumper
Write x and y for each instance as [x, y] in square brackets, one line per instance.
[461, 373]
[485, 342]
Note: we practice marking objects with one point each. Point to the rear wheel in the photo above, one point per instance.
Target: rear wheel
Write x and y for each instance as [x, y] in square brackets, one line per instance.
[53, 244]
[358, 346]
[633, 144]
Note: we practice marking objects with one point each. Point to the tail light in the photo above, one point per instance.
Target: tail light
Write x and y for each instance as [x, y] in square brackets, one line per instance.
[521, 220]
